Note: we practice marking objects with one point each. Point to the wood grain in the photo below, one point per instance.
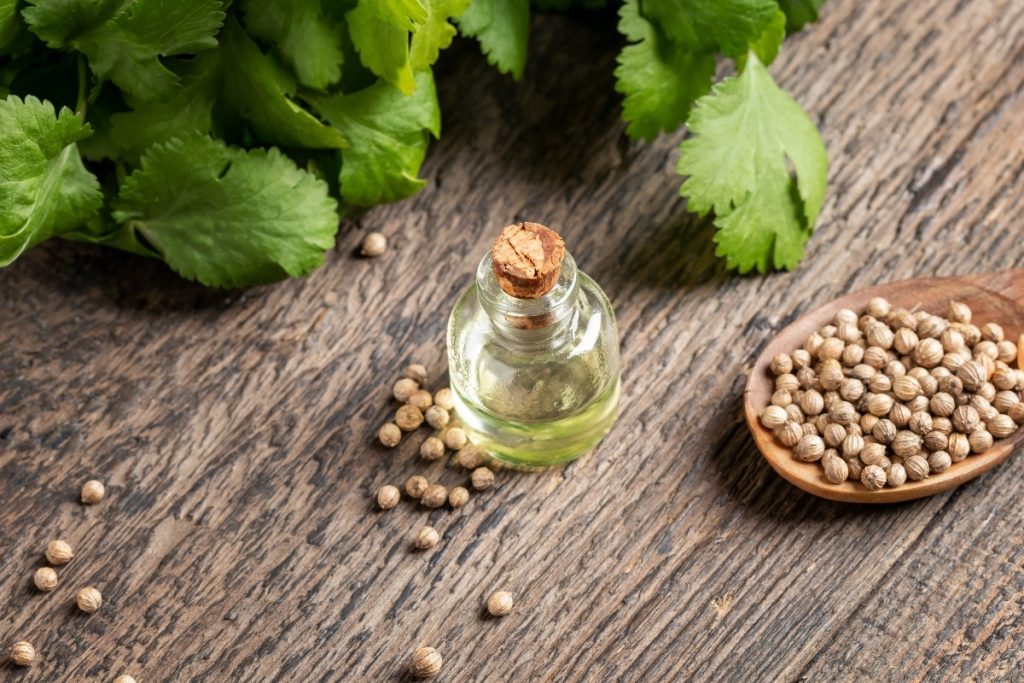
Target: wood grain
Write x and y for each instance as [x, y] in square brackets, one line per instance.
[235, 431]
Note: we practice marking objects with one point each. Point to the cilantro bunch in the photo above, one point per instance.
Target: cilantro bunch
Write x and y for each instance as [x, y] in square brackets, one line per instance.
[225, 138]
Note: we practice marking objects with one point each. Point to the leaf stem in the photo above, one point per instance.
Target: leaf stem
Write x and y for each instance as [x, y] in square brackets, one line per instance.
[82, 81]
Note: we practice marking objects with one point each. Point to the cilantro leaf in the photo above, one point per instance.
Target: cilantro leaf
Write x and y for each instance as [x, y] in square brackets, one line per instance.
[254, 88]
[407, 15]
[389, 135]
[799, 12]
[228, 217]
[383, 47]
[44, 188]
[436, 33]
[307, 39]
[767, 46]
[125, 39]
[746, 133]
[12, 29]
[712, 25]
[502, 27]
[659, 78]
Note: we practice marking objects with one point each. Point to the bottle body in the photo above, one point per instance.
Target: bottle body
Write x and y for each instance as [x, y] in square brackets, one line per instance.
[535, 382]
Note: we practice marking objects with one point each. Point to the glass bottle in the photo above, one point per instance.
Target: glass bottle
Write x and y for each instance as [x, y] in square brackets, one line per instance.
[534, 364]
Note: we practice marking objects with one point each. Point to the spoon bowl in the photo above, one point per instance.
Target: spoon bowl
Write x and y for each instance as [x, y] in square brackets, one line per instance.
[993, 297]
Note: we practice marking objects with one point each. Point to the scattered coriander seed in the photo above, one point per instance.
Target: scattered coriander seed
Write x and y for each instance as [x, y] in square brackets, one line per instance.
[443, 398]
[435, 496]
[389, 434]
[437, 417]
[432, 448]
[416, 372]
[470, 457]
[89, 599]
[45, 579]
[374, 244]
[388, 496]
[125, 678]
[426, 662]
[455, 438]
[499, 603]
[416, 485]
[59, 552]
[92, 492]
[458, 496]
[408, 418]
[873, 477]
[421, 399]
[482, 478]
[404, 388]
[22, 653]
[427, 537]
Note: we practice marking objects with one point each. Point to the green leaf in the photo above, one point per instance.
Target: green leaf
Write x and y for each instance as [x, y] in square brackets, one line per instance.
[383, 47]
[800, 12]
[407, 15]
[502, 27]
[389, 133]
[44, 188]
[767, 46]
[659, 78]
[436, 33]
[257, 90]
[729, 26]
[228, 217]
[14, 37]
[307, 39]
[746, 134]
[125, 39]
[189, 111]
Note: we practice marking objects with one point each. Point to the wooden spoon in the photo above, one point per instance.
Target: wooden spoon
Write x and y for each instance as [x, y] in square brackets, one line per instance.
[993, 297]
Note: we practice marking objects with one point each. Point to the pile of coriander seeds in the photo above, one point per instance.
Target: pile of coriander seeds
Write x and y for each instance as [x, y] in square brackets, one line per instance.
[894, 395]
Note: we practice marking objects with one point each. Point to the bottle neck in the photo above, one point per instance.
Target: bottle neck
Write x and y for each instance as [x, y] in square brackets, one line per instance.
[529, 319]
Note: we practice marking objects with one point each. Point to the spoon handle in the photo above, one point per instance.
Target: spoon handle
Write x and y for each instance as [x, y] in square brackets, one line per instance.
[1006, 283]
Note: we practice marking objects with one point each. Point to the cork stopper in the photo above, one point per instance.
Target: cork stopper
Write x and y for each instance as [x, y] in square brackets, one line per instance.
[527, 260]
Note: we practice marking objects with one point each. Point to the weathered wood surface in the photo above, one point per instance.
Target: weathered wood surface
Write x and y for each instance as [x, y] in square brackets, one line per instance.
[238, 541]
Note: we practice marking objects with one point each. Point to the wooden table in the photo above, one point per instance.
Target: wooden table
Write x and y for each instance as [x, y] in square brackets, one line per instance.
[239, 542]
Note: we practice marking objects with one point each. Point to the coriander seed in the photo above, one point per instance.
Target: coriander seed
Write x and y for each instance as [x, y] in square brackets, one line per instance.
[45, 579]
[432, 448]
[125, 678]
[906, 444]
[782, 398]
[482, 478]
[787, 381]
[879, 405]
[853, 444]
[1006, 351]
[773, 416]
[992, 332]
[935, 441]
[916, 467]
[426, 662]
[959, 312]
[809, 449]
[942, 404]
[795, 414]
[873, 477]
[781, 364]
[1016, 413]
[790, 433]
[388, 496]
[833, 435]
[421, 399]
[499, 603]
[458, 496]
[470, 457]
[408, 418]
[389, 434]
[836, 469]
[959, 447]
[92, 492]
[373, 245]
[972, 374]
[980, 440]
[939, 461]
[59, 552]
[435, 496]
[437, 417]
[22, 653]
[872, 453]
[89, 599]
[878, 307]
[404, 388]
[896, 476]
[427, 537]
[443, 397]
[965, 419]
[811, 402]
[455, 438]
[416, 372]
[884, 431]
[800, 358]
[416, 485]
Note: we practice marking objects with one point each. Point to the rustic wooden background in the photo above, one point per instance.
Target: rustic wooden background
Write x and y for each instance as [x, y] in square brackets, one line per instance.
[238, 541]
